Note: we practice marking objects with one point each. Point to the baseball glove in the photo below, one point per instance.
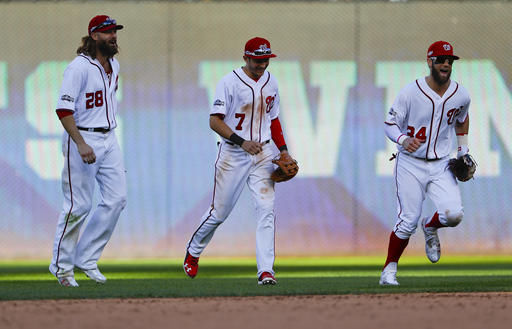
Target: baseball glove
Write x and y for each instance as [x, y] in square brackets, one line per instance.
[463, 168]
[286, 169]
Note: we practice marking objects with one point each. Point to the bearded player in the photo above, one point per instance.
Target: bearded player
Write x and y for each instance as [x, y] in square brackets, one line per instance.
[87, 108]
[423, 121]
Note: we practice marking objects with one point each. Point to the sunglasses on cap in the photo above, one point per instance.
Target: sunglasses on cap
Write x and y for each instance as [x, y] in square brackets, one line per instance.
[259, 52]
[442, 59]
[107, 22]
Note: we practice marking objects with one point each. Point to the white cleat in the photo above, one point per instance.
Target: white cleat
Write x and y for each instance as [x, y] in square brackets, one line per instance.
[95, 275]
[432, 243]
[67, 281]
[388, 276]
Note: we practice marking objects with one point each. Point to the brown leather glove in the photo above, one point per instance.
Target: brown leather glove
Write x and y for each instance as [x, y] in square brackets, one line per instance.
[286, 169]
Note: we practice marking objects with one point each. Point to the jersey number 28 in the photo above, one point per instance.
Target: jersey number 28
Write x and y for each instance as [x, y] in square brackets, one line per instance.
[94, 99]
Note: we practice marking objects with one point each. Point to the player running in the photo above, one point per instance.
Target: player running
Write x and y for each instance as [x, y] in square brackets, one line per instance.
[422, 121]
[245, 114]
[87, 109]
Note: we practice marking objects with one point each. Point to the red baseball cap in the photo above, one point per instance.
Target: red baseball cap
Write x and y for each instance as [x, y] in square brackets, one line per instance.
[441, 48]
[102, 23]
[258, 48]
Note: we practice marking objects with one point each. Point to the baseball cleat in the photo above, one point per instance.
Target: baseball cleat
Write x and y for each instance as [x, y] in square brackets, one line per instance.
[191, 265]
[388, 275]
[266, 278]
[67, 281]
[95, 275]
[432, 243]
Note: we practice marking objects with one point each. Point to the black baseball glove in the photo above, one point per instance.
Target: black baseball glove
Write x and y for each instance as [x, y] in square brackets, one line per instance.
[463, 168]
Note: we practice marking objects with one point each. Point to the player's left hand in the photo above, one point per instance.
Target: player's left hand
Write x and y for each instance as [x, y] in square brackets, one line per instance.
[287, 168]
[463, 168]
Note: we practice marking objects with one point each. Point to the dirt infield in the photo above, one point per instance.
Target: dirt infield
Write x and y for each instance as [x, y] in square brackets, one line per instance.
[395, 311]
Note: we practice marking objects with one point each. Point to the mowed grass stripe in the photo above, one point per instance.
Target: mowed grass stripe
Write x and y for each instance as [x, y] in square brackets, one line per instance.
[237, 277]
[158, 288]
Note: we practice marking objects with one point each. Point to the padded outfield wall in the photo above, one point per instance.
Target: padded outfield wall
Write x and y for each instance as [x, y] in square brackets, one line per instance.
[339, 67]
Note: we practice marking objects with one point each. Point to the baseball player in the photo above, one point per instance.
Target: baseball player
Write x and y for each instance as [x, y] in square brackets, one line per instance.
[87, 109]
[245, 115]
[422, 122]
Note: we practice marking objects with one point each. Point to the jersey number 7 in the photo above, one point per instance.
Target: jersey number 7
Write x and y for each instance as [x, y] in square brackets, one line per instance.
[242, 117]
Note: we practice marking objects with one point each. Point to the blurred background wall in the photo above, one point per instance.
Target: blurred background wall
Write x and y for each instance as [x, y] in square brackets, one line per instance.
[340, 64]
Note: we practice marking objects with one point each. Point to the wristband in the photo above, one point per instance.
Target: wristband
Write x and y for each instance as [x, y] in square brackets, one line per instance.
[283, 148]
[401, 139]
[236, 139]
[462, 139]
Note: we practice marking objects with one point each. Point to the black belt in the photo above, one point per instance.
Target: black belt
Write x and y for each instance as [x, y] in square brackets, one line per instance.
[233, 144]
[95, 130]
[424, 159]
[429, 160]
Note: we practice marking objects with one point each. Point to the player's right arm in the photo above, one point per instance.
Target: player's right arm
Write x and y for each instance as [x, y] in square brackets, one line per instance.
[220, 127]
[86, 152]
[395, 119]
[69, 92]
[221, 107]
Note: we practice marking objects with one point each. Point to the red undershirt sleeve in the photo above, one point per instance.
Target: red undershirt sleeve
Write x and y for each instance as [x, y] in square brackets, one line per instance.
[277, 134]
[61, 113]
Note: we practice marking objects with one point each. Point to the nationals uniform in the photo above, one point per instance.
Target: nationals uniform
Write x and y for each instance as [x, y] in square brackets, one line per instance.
[248, 107]
[90, 94]
[420, 112]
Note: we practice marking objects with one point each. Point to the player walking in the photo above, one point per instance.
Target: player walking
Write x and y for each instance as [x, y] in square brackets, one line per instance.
[422, 122]
[245, 114]
[87, 109]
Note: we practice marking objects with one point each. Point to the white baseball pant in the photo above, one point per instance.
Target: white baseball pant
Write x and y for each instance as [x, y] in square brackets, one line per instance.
[415, 179]
[78, 181]
[234, 168]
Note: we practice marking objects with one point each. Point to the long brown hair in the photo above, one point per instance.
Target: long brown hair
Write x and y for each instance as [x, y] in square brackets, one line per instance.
[88, 47]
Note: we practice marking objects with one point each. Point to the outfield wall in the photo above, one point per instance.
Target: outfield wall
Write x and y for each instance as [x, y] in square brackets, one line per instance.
[339, 67]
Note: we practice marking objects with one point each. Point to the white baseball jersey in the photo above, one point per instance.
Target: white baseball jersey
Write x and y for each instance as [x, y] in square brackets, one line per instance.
[420, 112]
[90, 93]
[248, 106]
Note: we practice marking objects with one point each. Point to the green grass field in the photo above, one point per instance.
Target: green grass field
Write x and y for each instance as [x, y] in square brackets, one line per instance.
[237, 277]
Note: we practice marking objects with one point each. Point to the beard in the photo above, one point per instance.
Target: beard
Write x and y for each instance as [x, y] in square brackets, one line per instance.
[107, 49]
[437, 76]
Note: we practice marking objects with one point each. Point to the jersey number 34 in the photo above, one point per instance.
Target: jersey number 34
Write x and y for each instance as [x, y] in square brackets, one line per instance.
[421, 134]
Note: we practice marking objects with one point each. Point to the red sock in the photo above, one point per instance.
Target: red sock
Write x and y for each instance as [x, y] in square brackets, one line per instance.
[434, 222]
[395, 249]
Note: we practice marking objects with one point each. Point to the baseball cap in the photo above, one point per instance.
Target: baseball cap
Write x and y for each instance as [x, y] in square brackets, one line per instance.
[441, 48]
[258, 48]
[102, 23]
